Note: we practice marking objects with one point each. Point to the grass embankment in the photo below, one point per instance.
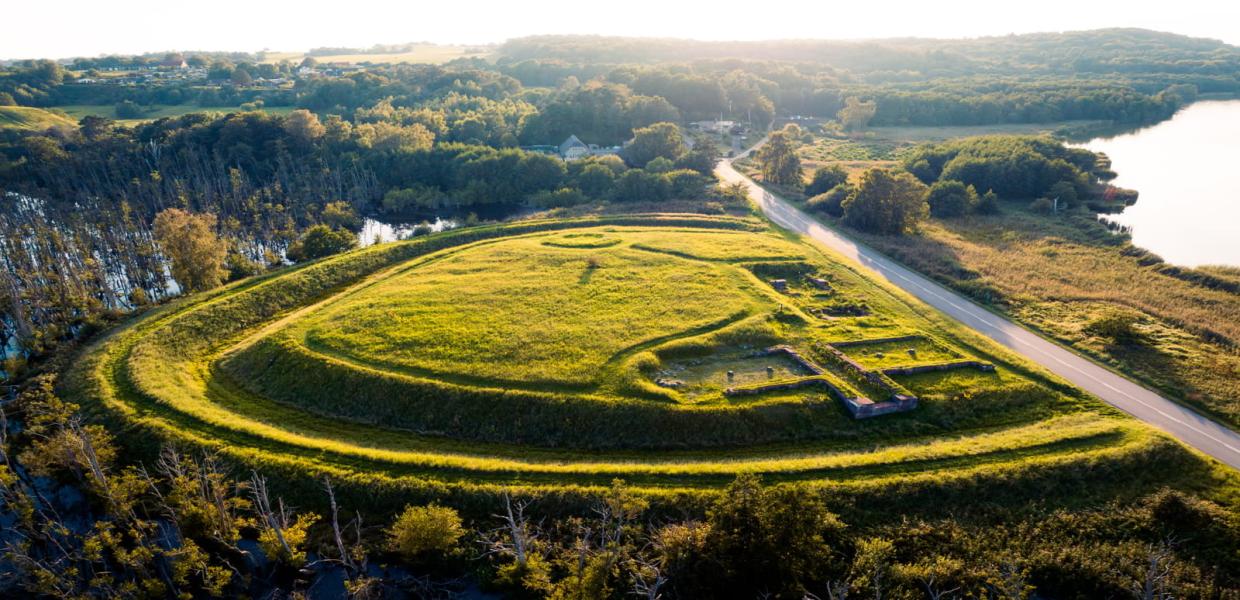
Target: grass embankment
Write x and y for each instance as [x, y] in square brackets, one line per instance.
[273, 403]
[28, 118]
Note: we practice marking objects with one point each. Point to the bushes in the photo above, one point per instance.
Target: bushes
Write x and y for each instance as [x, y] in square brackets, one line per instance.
[951, 199]
[1119, 327]
[638, 185]
[832, 202]
[422, 530]
[825, 179]
[319, 241]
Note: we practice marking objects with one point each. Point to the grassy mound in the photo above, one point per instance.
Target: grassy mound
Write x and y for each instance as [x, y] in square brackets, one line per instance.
[28, 118]
[558, 355]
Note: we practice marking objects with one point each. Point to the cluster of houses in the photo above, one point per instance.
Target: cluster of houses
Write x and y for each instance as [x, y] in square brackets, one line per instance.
[719, 127]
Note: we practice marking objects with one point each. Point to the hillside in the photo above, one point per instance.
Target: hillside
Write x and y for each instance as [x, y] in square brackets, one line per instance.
[28, 118]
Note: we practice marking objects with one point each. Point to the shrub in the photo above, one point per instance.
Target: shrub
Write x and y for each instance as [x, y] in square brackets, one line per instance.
[559, 198]
[240, 266]
[660, 165]
[951, 198]
[988, 204]
[832, 202]
[340, 215]
[406, 199]
[1115, 325]
[637, 185]
[128, 109]
[422, 530]
[687, 184]
[825, 179]
[595, 180]
[320, 241]
[1065, 191]
[1042, 206]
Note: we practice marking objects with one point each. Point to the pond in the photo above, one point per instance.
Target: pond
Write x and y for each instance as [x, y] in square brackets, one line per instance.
[1187, 174]
[387, 228]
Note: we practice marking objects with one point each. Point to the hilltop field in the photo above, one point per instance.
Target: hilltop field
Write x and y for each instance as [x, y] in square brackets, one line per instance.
[551, 357]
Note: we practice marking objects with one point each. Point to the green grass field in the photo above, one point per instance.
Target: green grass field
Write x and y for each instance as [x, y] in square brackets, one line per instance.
[28, 118]
[77, 111]
[524, 357]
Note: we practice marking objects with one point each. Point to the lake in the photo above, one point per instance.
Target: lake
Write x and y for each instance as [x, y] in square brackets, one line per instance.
[1187, 171]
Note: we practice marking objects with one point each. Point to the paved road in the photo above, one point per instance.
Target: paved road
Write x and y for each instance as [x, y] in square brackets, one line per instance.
[1191, 428]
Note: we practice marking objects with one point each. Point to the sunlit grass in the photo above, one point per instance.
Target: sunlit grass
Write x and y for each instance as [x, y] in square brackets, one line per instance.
[227, 371]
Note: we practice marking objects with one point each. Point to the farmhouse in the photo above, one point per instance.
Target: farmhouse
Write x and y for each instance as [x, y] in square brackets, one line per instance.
[573, 148]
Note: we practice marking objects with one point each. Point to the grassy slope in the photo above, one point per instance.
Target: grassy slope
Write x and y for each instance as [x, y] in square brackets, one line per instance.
[31, 119]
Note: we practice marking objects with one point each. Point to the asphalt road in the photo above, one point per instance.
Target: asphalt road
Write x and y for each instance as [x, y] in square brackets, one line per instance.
[1185, 424]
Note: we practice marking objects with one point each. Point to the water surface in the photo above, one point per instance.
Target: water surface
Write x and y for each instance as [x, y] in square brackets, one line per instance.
[1187, 170]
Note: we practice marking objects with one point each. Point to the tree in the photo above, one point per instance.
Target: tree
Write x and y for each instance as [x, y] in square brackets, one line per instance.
[319, 241]
[886, 202]
[638, 185]
[661, 140]
[1065, 192]
[951, 198]
[856, 114]
[421, 530]
[340, 215]
[128, 109]
[832, 202]
[768, 539]
[595, 180]
[988, 204]
[779, 160]
[825, 179]
[702, 158]
[196, 252]
[240, 76]
[303, 126]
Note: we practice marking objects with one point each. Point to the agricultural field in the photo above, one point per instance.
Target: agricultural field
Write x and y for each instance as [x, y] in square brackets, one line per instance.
[434, 54]
[77, 111]
[553, 356]
[28, 118]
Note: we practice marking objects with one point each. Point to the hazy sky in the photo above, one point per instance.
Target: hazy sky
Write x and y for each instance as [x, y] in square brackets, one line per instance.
[60, 28]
